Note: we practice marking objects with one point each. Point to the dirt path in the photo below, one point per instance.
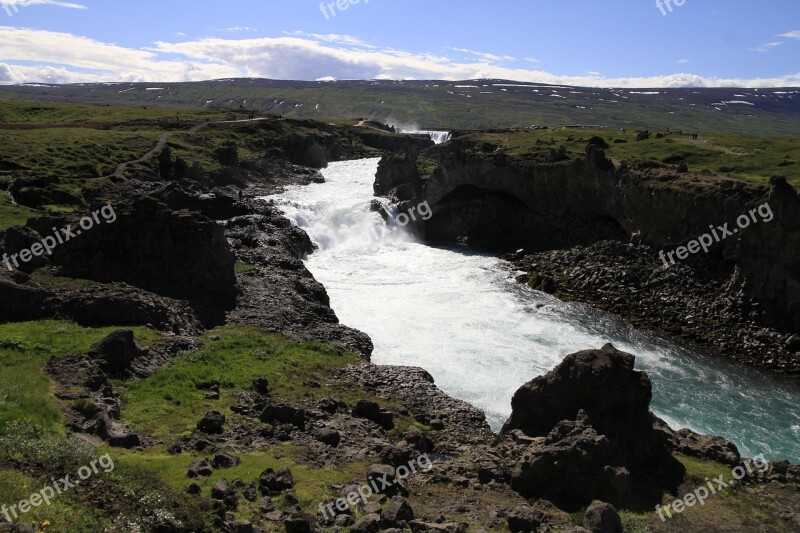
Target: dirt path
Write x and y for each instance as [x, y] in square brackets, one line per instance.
[162, 141]
[120, 171]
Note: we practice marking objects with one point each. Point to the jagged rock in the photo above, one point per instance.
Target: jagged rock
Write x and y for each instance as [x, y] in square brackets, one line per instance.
[330, 437]
[200, 468]
[109, 304]
[331, 405]
[264, 504]
[223, 460]
[115, 353]
[212, 423]
[219, 489]
[384, 478]
[261, 385]
[193, 489]
[372, 411]
[299, 523]
[367, 409]
[599, 436]
[20, 298]
[525, 519]
[396, 513]
[343, 520]
[601, 517]
[115, 433]
[284, 414]
[418, 440]
[242, 526]
[368, 524]
[706, 447]
[272, 482]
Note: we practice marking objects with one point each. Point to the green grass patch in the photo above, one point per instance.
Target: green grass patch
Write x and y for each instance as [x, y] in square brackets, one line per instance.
[170, 402]
[26, 112]
[78, 153]
[697, 471]
[312, 485]
[13, 215]
[241, 268]
[25, 391]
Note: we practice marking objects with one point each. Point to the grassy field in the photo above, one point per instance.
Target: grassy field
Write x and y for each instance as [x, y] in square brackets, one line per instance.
[101, 116]
[749, 157]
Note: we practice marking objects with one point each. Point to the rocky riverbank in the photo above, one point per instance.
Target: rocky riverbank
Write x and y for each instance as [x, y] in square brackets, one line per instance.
[705, 308]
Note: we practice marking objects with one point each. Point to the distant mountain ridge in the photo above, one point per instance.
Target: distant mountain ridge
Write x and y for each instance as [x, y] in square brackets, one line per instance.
[468, 104]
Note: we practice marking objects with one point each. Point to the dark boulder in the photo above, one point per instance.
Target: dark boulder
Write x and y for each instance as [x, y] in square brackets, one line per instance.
[115, 353]
[223, 460]
[331, 437]
[372, 411]
[20, 298]
[261, 385]
[601, 517]
[200, 469]
[525, 519]
[383, 478]
[396, 513]
[284, 414]
[212, 423]
[272, 482]
[115, 433]
[591, 434]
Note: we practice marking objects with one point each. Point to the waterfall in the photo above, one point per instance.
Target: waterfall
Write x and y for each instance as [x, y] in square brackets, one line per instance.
[436, 136]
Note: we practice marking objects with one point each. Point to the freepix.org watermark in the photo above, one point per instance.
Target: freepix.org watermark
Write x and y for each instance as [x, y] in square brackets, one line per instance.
[375, 486]
[716, 485]
[719, 233]
[329, 8]
[404, 219]
[59, 486]
[668, 3]
[59, 237]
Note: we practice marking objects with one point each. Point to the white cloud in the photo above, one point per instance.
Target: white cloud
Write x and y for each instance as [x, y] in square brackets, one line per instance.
[52, 57]
[332, 38]
[239, 29]
[484, 55]
[766, 47]
[790, 35]
[683, 61]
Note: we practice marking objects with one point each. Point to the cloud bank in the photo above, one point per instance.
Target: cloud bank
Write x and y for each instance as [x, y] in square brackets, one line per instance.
[39, 56]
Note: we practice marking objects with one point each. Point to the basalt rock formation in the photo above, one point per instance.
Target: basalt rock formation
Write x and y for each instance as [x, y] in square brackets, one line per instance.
[592, 434]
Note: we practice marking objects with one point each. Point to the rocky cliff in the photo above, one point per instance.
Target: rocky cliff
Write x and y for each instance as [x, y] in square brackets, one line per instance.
[483, 196]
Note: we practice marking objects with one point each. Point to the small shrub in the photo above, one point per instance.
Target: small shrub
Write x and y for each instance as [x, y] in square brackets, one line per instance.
[86, 407]
[269, 350]
[29, 443]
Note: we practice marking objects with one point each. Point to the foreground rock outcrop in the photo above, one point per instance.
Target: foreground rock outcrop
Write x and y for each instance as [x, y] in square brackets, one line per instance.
[592, 434]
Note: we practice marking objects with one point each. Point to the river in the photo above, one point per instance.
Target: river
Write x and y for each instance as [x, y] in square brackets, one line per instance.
[461, 316]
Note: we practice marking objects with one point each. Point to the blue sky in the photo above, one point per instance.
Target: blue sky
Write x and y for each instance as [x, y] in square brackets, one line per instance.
[582, 42]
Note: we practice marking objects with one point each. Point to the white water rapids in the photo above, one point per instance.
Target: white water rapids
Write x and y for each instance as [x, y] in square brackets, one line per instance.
[462, 317]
